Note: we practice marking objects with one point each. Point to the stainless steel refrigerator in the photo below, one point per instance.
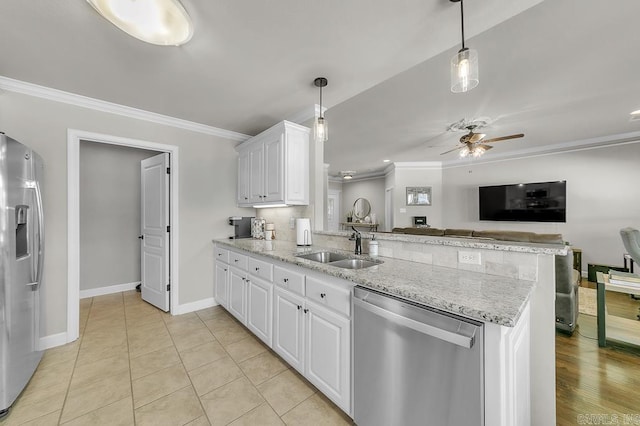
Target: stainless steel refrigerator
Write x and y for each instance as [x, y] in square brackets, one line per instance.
[22, 251]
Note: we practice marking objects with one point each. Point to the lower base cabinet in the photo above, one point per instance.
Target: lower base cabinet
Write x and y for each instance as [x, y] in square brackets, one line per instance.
[259, 315]
[237, 294]
[288, 327]
[328, 353]
[316, 342]
[221, 288]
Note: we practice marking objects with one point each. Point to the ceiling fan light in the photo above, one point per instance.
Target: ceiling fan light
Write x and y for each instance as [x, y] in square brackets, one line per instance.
[478, 151]
[464, 71]
[160, 22]
[464, 152]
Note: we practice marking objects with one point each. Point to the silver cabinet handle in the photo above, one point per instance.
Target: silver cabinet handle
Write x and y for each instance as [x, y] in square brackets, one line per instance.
[455, 338]
[323, 295]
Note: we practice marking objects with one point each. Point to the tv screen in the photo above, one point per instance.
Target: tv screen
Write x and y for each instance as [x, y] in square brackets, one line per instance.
[524, 202]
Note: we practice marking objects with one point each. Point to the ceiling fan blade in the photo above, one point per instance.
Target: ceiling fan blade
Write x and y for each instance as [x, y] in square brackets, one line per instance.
[483, 146]
[451, 150]
[504, 138]
[477, 137]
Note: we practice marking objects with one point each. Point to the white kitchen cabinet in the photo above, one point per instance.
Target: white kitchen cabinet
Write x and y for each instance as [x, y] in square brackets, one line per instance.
[288, 327]
[221, 288]
[259, 303]
[328, 354]
[243, 178]
[238, 294]
[275, 167]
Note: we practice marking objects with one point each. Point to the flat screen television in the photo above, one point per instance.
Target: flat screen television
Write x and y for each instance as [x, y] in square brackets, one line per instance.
[524, 202]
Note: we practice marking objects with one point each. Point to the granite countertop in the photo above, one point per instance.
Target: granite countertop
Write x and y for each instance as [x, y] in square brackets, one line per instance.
[488, 298]
[466, 242]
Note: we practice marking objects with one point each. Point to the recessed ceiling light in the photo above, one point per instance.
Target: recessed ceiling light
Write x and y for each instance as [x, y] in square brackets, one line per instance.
[385, 161]
[161, 22]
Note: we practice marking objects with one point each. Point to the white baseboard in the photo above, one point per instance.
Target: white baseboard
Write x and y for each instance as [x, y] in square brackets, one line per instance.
[185, 308]
[101, 291]
[52, 341]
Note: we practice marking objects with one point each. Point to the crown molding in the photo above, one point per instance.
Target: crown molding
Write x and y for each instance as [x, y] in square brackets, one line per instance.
[56, 95]
[560, 148]
[430, 165]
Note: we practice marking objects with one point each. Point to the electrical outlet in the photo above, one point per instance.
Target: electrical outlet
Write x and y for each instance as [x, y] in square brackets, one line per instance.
[470, 257]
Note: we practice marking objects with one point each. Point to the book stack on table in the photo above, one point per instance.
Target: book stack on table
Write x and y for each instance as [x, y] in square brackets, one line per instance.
[624, 278]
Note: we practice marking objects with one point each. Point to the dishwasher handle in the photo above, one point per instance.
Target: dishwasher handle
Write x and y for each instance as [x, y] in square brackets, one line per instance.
[448, 336]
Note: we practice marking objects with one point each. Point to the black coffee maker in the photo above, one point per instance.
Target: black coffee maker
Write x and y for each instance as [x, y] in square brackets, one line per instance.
[241, 226]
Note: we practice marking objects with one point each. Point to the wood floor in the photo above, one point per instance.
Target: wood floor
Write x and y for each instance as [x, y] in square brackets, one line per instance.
[598, 385]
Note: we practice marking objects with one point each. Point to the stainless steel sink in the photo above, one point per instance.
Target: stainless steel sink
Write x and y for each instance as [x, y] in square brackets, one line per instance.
[323, 256]
[355, 263]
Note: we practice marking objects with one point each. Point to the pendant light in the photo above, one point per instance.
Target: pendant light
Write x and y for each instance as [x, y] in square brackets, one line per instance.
[161, 22]
[464, 65]
[320, 129]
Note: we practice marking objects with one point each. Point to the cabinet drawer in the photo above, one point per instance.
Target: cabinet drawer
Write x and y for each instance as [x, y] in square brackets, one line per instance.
[221, 254]
[290, 280]
[261, 269]
[330, 295]
[238, 260]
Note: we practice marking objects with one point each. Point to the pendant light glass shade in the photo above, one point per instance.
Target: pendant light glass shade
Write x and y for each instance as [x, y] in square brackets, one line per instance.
[161, 22]
[320, 130]
[464, 71]
[464, 65]
[320, 126]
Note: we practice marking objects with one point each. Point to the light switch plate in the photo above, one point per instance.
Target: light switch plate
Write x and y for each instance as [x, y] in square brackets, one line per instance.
[470, 257]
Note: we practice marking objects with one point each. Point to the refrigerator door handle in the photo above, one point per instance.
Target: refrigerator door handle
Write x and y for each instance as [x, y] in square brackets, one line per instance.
[35, 185]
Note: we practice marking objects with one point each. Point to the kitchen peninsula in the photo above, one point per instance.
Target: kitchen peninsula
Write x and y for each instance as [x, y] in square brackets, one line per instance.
[269, 277]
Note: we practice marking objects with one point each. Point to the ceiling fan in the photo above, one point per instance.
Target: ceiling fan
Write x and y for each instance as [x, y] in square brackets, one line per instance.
[474, 143]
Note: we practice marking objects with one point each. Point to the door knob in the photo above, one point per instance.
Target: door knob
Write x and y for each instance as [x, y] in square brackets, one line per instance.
[141, 237]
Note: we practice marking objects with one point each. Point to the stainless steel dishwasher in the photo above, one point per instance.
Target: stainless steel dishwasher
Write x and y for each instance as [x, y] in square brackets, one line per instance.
[414, 365]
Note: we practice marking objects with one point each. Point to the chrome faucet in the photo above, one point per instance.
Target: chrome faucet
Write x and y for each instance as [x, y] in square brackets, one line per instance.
[357, 237]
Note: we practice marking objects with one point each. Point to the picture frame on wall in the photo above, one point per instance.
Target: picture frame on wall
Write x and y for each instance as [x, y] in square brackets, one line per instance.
[418, 195]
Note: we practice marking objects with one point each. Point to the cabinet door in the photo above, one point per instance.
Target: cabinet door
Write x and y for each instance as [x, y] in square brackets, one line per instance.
[221, 288]
[256, 173]
[243, 178]
[273, 169]
[328, 354]
[259, 315]
[237, 294]
[296, 164]
[288, 327]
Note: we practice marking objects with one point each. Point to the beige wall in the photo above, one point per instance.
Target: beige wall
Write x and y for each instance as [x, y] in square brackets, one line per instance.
[208, 174]
[371, 189]
[109, 214]
[602, 196]
[417, 176]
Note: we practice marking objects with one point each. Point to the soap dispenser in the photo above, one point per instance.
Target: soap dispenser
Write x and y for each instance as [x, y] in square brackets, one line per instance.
[373, 247]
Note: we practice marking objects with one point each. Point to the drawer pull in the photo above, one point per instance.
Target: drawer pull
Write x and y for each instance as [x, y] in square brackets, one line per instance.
[219, 254]
[236, 260]
[323, 295]
[257, 269]
[306, 310]
[286, 280]
[299, 307]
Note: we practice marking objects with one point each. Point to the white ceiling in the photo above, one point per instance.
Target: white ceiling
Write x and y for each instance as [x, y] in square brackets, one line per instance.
[557, 70]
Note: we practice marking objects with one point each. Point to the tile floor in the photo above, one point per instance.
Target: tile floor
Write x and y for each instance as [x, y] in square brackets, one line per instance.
[134, 364]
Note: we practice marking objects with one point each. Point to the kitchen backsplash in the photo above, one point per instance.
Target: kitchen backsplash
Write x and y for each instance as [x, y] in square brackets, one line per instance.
[280, 218]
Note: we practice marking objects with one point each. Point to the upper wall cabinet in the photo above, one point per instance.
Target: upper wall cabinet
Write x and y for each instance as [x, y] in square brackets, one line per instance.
[273, 167]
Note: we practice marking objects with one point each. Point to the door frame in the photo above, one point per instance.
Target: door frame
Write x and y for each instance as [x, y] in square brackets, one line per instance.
[74, 137]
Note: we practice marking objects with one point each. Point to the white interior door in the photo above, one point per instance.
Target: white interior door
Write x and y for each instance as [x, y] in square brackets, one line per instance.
[333, 210]
[154, 220]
